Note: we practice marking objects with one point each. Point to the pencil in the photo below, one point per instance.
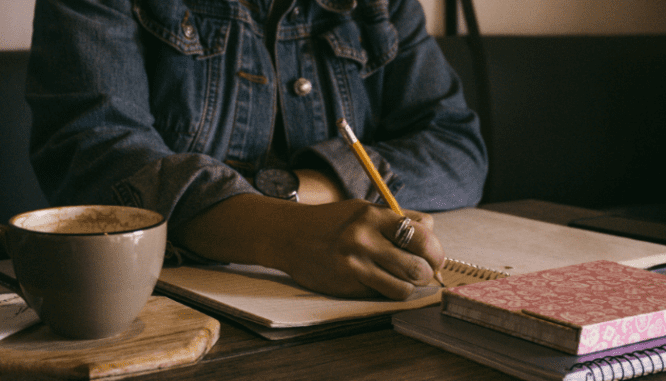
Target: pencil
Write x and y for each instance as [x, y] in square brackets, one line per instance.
[371, 171]
[367, 165]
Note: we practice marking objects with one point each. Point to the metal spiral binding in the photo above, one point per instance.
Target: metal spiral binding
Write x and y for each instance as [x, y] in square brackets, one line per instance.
[605, 365]
[457, 273]
[471, 269]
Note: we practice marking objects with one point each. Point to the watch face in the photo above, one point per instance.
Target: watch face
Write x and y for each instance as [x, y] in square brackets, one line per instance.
[277, 183]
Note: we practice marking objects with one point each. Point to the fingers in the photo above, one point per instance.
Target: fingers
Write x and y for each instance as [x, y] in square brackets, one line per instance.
[378, 279]
[424, 218]
[359, 238]
[406, 266]
[425, 244]
[426, 250]
[392, 271]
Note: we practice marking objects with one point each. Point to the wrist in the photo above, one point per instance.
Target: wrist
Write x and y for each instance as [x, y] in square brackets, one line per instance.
[318, 187]
[278, 183]
[247, 229]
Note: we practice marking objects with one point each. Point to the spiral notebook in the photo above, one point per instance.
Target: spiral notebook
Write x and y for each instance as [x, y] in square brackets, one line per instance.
[527, 360]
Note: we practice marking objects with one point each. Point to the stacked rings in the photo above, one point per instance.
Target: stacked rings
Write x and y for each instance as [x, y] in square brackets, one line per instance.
[404, 233]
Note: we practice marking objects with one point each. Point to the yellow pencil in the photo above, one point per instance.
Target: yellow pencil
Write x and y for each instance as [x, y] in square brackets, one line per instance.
[371, 171]
[367, 165]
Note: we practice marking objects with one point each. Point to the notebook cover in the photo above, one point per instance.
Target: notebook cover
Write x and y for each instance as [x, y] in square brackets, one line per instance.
[579, 309]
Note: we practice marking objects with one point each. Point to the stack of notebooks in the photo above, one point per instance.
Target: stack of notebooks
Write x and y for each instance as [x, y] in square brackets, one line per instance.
[599, 320]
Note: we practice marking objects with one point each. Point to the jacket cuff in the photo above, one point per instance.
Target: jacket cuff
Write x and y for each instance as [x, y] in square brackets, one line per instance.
[181, 186]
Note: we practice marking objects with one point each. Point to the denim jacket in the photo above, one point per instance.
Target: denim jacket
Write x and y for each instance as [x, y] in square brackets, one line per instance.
[170, 104]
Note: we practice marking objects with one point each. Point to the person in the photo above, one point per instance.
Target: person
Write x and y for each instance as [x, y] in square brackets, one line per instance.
[176, 106]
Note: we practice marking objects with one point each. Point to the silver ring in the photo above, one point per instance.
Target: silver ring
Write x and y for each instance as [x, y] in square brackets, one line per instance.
[404, 233]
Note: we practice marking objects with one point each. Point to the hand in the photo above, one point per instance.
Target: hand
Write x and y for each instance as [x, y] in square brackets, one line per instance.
[346, 249]
[341, 249]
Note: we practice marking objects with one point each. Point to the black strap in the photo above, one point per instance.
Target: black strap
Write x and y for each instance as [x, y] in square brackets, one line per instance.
[450, 17]
[480, 68]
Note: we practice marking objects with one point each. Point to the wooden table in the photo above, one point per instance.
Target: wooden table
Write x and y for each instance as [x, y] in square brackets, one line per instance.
[374, 353]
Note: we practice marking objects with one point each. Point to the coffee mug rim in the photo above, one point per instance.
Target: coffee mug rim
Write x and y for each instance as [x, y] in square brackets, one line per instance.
[147, 227]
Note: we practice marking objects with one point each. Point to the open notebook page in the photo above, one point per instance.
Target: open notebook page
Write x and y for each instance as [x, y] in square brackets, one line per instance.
[519, 245]
[270, 298]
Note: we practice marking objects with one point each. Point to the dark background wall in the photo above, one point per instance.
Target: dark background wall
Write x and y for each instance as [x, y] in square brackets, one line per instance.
[579, 120]
[19, 191]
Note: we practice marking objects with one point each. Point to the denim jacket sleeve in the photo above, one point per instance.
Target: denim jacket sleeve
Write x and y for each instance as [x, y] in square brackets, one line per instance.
[423, 138]
[93, 139]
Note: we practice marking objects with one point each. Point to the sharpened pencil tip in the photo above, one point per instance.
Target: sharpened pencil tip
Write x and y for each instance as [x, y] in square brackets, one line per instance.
[438, 278]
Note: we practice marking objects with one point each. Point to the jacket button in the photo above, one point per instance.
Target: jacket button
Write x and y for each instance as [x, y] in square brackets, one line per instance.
[293, 16]
[302, 87]
[189, 32]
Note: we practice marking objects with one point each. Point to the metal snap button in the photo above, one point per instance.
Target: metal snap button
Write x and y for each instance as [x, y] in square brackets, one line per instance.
[302, 87]
[189, 31]
[293, 16]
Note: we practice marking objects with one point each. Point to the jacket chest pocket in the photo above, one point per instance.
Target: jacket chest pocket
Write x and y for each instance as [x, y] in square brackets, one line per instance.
[370, 45]
[185, 61]
[361, 51]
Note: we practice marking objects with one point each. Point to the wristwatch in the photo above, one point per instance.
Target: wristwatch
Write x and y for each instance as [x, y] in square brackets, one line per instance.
[278, 183]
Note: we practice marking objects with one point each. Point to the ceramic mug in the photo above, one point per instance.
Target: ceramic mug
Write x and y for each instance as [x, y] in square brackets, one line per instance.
[86, 270]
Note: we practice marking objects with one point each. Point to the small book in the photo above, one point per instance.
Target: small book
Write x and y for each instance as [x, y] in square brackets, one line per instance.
[577, 309]
[527, 360]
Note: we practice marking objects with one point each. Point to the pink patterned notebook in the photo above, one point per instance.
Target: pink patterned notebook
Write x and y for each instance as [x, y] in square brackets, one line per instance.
[578, 309]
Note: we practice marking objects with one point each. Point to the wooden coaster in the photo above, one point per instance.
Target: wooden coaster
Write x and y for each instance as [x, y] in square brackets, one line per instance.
[166, 334]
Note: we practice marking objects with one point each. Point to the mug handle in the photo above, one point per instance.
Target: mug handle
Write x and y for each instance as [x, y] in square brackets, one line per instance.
[7, 281]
